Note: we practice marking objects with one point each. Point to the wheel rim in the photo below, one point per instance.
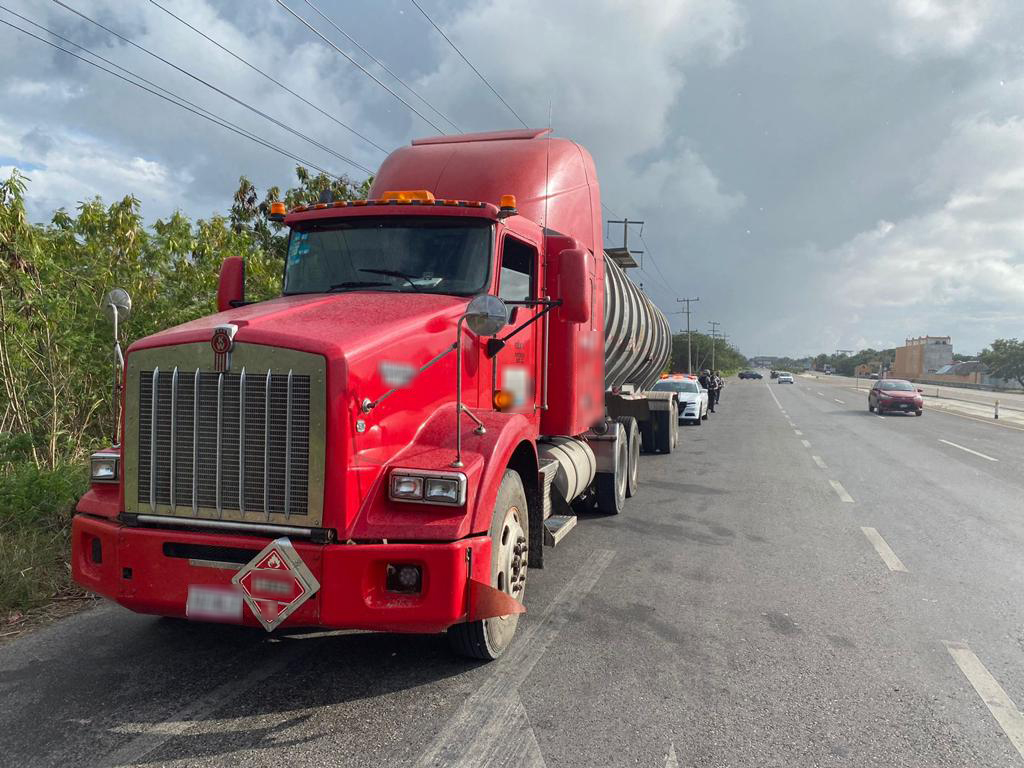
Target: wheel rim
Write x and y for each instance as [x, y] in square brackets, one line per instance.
[513, 556]
[622, 476]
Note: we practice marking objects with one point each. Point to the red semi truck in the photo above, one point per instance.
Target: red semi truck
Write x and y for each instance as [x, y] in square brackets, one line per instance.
[454, 370]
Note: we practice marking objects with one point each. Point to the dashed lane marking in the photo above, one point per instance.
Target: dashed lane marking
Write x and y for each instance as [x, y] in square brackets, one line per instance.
[819, 462]
[775, 398]
[969, 450]
[806, 443]
[884, 550]
[798, 432]
[481, 731]
[841, 492]
[841, 402]
[671, 761]
[991, 692]
[821, 394]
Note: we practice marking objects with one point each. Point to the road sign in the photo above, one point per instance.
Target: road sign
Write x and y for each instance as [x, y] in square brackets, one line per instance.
[275, 583]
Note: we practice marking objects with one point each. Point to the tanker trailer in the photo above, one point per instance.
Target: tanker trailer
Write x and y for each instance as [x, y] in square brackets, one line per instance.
[638, 342]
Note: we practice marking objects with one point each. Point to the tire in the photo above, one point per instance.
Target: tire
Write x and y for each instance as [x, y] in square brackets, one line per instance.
[487, 639]
[699, 422]
[663, 441]
[871, 408]
[919, 412]
[611, 486]
[675, 426]
[633, 443]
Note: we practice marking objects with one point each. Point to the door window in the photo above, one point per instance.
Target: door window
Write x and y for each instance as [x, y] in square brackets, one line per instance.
[518, 265]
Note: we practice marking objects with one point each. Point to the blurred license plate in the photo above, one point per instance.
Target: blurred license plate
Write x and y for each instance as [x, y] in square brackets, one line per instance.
[214, 603]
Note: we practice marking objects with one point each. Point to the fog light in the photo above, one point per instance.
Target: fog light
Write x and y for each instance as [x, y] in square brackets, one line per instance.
[407, 579]
[444, 490]
[406, 487]
[103, 467]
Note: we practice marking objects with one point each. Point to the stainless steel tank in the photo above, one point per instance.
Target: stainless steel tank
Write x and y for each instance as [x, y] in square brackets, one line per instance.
[638, 340]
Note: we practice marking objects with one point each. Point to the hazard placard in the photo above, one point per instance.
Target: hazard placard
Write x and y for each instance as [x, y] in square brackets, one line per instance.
[275, 583]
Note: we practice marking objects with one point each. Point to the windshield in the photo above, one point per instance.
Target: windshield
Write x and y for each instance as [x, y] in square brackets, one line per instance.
[899, 386]
[676, 386]
[407, 254]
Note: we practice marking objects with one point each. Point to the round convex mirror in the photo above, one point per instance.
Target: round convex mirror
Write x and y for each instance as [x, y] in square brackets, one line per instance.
[486, 315]
[118, 298]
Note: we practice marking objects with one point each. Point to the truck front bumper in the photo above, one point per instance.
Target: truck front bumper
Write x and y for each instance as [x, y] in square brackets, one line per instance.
[149, 570]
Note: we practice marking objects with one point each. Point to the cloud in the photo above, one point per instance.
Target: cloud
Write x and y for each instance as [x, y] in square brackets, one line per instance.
[612, 73]
[959, 261]
[938, 27]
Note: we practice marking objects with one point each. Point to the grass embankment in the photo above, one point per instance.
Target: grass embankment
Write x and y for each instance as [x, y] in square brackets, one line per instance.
[36, 506]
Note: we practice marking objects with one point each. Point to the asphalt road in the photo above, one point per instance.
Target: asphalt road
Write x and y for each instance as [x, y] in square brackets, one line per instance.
[801, 584]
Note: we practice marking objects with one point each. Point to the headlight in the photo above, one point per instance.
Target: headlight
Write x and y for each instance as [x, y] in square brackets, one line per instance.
[104, 467]
[423, 487]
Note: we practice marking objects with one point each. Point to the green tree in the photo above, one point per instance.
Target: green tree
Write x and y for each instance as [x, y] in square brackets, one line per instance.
[1005, 359]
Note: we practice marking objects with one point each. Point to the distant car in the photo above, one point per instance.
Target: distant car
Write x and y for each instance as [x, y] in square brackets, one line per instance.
[888, 395]
[872, 375]
[775, 374]
[785, 378]
[750, 375]
[693, 398]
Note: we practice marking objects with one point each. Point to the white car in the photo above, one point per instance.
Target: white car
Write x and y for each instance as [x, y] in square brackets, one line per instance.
[784, 378]
[693, 398]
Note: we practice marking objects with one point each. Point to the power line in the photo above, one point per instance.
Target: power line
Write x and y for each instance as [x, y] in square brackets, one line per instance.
[381, 64]
[210, 117]
[272, 79]
[654, 261]
[363, 69]
[468, 62]
[212, 87]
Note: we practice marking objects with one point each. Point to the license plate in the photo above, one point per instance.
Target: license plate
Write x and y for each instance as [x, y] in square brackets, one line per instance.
[214, 603]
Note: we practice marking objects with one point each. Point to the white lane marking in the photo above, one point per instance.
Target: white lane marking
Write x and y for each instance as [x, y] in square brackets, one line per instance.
[819, 462]
[841, 402]
[798, 432]
[881, 417]
[998, 702]
[884, 550]
[806, 443]
[136, 750]
[770, 392]
[482, 723]
[962, 448]
[671, 761]
[841, 492]
[821, 394]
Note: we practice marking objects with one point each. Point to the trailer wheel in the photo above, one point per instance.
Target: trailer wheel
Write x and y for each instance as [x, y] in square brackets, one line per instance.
[664, 430]
[633, 437]
[487, 639]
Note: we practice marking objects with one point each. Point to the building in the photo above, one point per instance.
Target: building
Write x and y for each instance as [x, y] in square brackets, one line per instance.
[922, 356]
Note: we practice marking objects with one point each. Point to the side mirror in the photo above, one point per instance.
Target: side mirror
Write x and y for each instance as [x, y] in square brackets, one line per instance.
[231, 287]
[574, 284]
[486, 315]
[920, 390]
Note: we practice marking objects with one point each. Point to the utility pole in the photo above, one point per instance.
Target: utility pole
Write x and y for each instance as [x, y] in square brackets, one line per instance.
[714, 330]
[689, 356]
[625, 236]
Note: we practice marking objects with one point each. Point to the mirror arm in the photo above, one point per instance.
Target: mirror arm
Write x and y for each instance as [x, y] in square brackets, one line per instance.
[368, 405]
[495, 345]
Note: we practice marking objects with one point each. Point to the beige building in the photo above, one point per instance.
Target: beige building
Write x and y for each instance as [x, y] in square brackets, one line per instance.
[922, 356]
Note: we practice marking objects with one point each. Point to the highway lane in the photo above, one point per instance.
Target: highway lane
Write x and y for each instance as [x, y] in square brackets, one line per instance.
[950, 515]
[736, 614]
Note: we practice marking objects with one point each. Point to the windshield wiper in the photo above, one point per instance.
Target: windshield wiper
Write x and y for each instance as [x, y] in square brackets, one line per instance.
[358, 284]
[393, 273]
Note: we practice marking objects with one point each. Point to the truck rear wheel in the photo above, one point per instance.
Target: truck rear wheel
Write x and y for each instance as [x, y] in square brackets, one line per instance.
[633, 437]
[487, 639]
[664, 430]
[611, 486]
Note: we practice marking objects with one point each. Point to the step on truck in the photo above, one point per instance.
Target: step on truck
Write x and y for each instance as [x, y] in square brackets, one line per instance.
[454, 371]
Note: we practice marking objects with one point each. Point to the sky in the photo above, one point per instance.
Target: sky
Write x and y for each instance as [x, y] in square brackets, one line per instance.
[822, 175]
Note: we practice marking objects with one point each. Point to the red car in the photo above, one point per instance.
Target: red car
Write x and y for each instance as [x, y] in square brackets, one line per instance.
[895, 395]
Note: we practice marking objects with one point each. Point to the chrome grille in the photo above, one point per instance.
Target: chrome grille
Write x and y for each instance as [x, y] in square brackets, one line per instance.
[228, 442]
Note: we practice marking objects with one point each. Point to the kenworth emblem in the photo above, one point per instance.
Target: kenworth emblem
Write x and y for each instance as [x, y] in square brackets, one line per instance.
[222, 342]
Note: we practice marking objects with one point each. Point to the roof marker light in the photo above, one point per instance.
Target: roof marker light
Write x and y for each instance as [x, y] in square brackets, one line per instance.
[408, 195]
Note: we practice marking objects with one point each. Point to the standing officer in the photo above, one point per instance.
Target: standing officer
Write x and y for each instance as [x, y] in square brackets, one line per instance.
[719, 385]
[707, 381]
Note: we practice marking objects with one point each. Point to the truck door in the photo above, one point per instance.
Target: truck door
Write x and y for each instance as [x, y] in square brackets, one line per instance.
[514, 368]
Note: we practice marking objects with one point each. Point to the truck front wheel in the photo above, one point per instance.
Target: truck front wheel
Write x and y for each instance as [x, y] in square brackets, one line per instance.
[510, 535]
